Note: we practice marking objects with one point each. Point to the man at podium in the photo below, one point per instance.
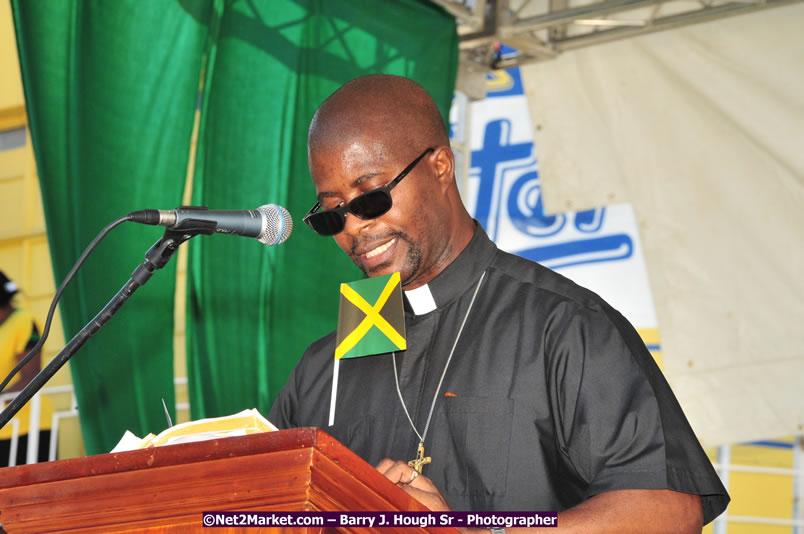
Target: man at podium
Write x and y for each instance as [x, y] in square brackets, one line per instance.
[518, 389]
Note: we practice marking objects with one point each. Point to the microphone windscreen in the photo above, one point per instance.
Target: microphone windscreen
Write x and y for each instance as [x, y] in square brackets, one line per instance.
[278, 224]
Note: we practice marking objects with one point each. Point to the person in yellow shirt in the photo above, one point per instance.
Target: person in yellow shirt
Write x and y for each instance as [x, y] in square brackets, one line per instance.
[18, 335]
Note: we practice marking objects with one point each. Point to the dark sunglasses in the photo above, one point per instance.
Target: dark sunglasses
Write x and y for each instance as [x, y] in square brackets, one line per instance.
[369, 205]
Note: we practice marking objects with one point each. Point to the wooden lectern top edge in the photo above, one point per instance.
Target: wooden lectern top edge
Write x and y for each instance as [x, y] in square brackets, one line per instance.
[166, 489]
[102, 464]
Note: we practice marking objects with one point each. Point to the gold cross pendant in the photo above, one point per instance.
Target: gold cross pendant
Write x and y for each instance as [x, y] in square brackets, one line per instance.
[420, 460]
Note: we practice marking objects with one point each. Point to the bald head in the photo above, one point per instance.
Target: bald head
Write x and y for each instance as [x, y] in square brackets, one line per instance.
[397, 108]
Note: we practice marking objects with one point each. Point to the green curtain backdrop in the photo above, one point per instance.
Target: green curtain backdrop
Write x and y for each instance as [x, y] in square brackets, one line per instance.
[111, 90]
[253, 309]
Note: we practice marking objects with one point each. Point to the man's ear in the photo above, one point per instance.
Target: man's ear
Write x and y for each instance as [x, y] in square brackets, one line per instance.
[444, 163]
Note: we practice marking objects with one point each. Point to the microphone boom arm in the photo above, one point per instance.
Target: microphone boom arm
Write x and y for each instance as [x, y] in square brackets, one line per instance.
[156, 258]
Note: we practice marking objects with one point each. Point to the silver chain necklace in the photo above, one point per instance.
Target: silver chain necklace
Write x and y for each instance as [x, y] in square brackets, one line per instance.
[420, 460]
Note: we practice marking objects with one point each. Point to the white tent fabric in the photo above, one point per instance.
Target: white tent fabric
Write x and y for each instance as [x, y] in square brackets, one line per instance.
[701, 129]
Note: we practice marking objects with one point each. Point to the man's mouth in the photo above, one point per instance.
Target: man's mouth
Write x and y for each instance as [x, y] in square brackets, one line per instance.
[380, 249]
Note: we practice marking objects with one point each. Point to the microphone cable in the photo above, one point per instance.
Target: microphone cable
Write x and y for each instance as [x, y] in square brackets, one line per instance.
[59, 292]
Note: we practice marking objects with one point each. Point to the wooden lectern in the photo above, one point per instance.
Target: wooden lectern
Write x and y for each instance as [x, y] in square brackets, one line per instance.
[165, 489]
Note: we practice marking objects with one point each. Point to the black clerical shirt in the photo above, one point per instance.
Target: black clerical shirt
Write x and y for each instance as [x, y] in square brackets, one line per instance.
[550, 398]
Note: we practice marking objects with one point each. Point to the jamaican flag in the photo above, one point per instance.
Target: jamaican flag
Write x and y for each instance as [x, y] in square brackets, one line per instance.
[371, 317]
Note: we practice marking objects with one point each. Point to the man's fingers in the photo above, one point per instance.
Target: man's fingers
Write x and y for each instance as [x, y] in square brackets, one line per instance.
[384, 465]
[401, 474]
[418, 486]
[397, 471]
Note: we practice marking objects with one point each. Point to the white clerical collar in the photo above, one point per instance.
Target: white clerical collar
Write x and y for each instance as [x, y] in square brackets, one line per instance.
[421, 300]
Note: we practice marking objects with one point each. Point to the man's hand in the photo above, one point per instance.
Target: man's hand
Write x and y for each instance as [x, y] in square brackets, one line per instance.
[418, 486]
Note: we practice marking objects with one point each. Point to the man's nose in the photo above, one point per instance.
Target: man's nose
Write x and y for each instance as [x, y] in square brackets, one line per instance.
[354, 225]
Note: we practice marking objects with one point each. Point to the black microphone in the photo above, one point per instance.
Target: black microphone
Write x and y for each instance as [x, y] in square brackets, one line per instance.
[269, 224]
